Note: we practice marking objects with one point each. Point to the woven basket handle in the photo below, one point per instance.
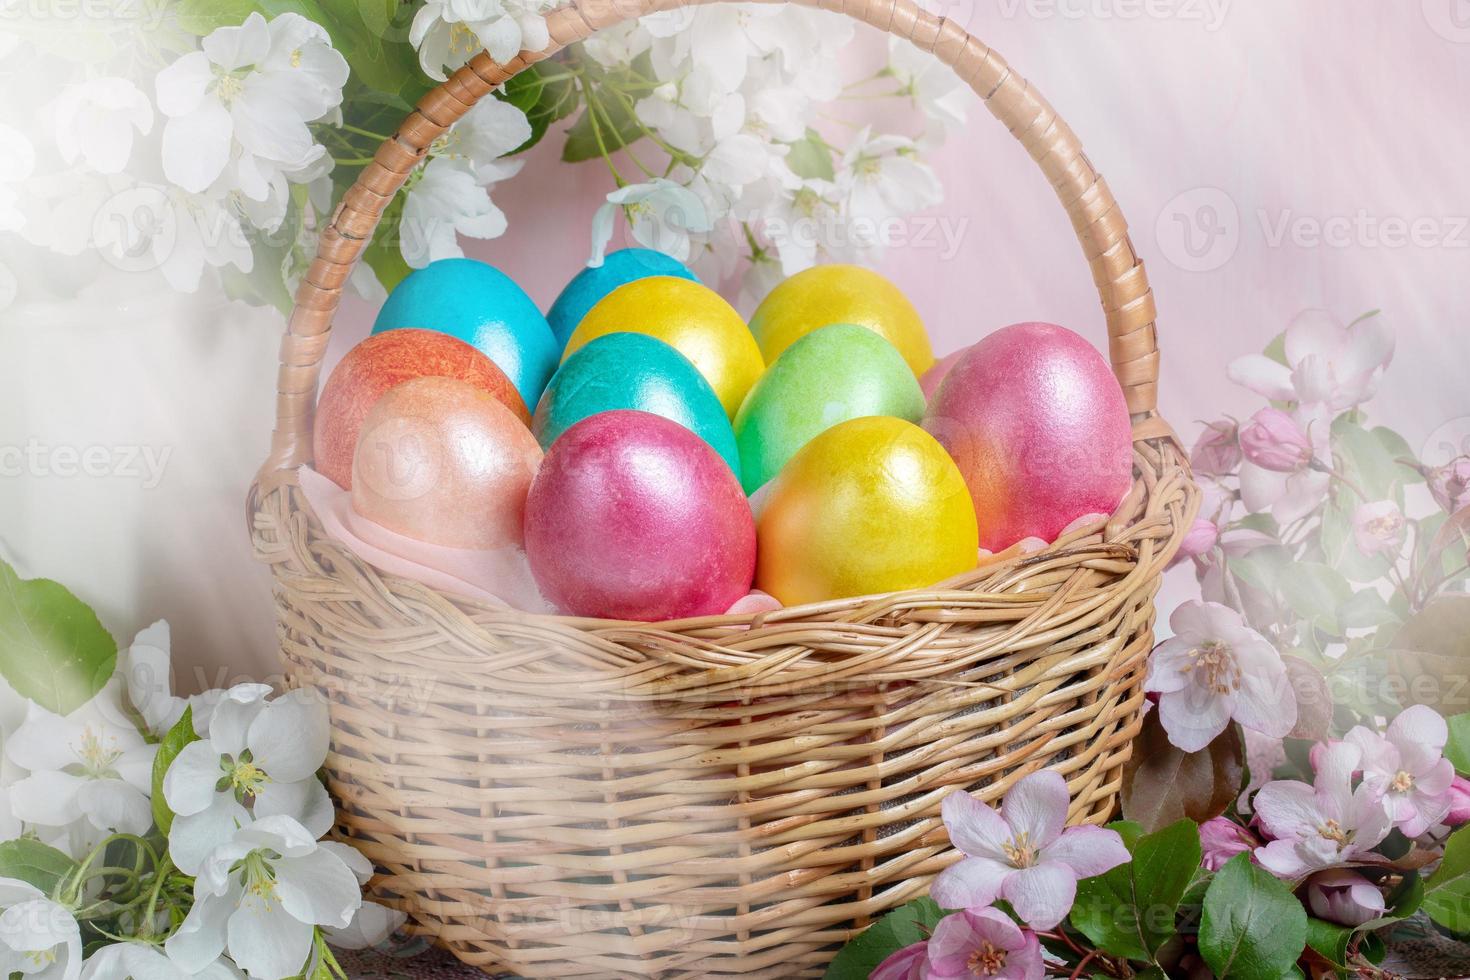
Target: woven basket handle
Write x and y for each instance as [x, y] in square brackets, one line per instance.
[1117, 271]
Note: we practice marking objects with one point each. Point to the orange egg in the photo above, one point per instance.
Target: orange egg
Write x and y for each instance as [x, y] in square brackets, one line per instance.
[442, 461]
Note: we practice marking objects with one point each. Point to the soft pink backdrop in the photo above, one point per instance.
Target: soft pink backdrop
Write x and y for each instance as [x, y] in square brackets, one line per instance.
[1311, 109]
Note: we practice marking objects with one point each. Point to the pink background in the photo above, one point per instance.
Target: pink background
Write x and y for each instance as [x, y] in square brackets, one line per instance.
[1307, 110]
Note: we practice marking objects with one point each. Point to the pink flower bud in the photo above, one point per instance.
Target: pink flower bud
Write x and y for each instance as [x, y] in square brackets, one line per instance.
[1380, 528]
[1450, 484]
[1221, 840]
[1202, 537]
[1344, 897]
[1274, 441]
[1459, 802]
[1217, 452]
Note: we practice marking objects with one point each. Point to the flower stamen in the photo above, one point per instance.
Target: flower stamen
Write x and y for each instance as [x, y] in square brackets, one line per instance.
[1020, 851]
[987, 960]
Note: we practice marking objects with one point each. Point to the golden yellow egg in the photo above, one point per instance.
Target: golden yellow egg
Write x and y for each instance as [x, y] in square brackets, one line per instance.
[871, 505]
[826, 294]
[689, 317]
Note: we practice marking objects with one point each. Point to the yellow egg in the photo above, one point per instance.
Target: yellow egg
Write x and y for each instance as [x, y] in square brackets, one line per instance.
[689, 317]
[827, 294]
[871, 505]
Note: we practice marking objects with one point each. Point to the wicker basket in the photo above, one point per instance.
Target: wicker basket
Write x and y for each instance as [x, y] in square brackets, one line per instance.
[727, 796]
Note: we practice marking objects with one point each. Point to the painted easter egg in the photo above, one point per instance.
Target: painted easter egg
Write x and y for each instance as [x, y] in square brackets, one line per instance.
[830, 375]
[871, 505]
[1038, 424]
[634, 371]
[632, 516]
[482, 306]
[379, 363]
[935, 375]
[827, 294]
[594, 282]
[693, 319]
[441, 461]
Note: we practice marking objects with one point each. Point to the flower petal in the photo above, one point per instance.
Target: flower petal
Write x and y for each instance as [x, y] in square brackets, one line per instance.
[266, 941]
[1263, 376]
[44, 741]
[372, 924]
[1194, 716]
[290, 737]
[1037, 807]
[972, 883]
[305, 801]
[318, 888]
[188, 786]
[1041, 895]
[1419, 725]
[1088, 850]
[974, 827]
[1288, 809]
[238, 47]
[200, 940]
[181, 85]
[192, 838]
[196, 146]
[113, 805]
[51, 799]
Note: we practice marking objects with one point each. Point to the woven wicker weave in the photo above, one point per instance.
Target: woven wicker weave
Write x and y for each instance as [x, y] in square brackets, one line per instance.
[728, 796]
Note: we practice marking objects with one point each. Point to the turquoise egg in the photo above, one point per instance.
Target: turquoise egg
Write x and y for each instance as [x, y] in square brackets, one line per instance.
[483, 307]
[591, 284]
[634, 371]
[833, 374]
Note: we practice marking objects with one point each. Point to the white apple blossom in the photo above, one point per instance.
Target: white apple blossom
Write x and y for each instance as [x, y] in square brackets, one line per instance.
[261, 753]
[39, 939]
[248, 95]
[1327, 364]
[260, 896]
[931, 84]
[883, 180]
[141, 961]
[661, 212]
[96, 120]
[90, 771]
[146, 668]
[448, 33]
[803, 223]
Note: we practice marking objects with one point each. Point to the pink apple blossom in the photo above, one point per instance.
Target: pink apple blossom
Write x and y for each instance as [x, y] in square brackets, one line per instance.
[1200, 539]
[1345, 897]
[1327, 364]
[1216, 668]
[1024, 854]
[984, 943]
[1450, 484]
[1407, 768]
[1325, 825]
[1222, 839]
[1217, 451]
[1380, 528]
[1277, 442]
[1459, 812]
[909, 963]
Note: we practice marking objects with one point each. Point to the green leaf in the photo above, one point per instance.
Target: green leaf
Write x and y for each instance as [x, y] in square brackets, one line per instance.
[1253, 927]
[1457, 750]
[810, 158]
[35, 863]
[1163, 784]
[1263, 567]
[615, 127]
[1340, 546]
[543, 102]
[1276, 349]
[1365, 610]
[1330, 940]
[1130, 911]
[55, 651]
[1447, 891]
[904, 926]
[1371, 460]
[1316, 592]
[202, 16]
[168, 750]
[1430, 654]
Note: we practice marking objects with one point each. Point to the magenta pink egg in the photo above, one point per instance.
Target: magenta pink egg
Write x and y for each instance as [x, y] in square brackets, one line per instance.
[632, 516]
[931, 379]
[1039, 427]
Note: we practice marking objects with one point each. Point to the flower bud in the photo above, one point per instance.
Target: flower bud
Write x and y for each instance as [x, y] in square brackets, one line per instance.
[1217, 452]
[1380, 528]
[1274, 441]
[1450, 484]
[1222, 839]
[1459, 802]
[1345, 897]
[1202, 536]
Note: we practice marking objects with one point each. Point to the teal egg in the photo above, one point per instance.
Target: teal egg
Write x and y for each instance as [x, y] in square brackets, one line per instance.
[592, 283]
[634, 371]
[483, 307]
[833, 374]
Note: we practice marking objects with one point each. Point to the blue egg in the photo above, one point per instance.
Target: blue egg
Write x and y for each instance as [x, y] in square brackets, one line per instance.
[639, 372]
[482, 306]
[591, 284]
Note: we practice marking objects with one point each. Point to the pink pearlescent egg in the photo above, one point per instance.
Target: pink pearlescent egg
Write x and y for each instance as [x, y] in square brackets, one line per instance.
[929, 382]
[1038, 424]
[632, 516]
[442, 461]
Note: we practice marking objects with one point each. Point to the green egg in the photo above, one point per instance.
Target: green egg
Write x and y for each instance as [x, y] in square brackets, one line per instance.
[833, 374]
